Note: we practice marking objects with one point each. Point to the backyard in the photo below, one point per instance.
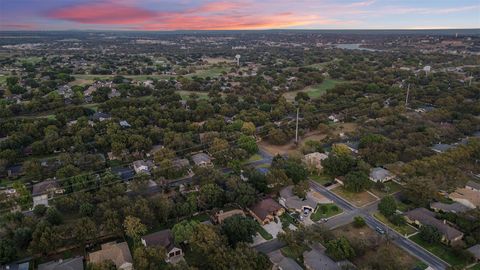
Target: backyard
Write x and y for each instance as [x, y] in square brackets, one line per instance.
[390, 188]
[314, 91]
[403, 229]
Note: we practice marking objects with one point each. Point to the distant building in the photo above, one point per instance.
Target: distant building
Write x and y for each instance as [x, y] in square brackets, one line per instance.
[101, 116]
[16, 266]
[164, 239]
[293, 202]
[124, 124]
[119, 254]
[475, 251]
[141, 166]
[449, 207]
[441, 147]
[314, 160]
[466, 196]
[126, 174]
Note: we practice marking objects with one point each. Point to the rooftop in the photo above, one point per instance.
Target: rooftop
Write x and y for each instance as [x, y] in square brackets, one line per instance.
[426, 217]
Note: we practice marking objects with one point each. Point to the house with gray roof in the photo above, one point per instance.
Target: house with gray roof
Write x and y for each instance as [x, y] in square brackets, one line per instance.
[424, 217]
[380, 174]
[455, 207]
[441, 147]
[164, 239]
[293, 202]
[44, 191]
[68, 264]
[475, 251]
[202, 160]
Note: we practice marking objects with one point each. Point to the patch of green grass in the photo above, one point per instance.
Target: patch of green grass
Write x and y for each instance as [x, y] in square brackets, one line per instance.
[404, 230]
[314, 91]
[210, 72]
[263, 232]
[255, 157]
[287, 219]
[475, 267]
[321, 179]
[421, 265]
[390, 187]
[325, 211]
[201, 217]
[444, 252]
[295, 255]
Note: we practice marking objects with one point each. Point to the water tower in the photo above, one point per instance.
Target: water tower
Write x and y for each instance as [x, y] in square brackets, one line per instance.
[238, 59]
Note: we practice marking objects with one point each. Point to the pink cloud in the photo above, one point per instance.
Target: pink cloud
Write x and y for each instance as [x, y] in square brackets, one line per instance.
[102, 13]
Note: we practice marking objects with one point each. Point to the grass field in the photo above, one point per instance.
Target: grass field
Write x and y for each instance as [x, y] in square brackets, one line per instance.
[314, 91]
[404, 230]
[325, 211]
[358, 199]
[209, 72]
[441, 250]
[255, 157]
[264, 233]
[321, 179]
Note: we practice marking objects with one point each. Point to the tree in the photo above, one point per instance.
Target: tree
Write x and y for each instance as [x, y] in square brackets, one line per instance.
[7, 251]
[22, 237]
[210, 195]
[358, 222]
[24, 198]
[338, 165]
[86, 209]
[248, 143]
[134, 228]
[239, 229]
[397, 219]
[248, 128]
[430, 234]
[39, 210]
[149, 258]
[84, 229]
[295, 170]
[387, 206]
[183, 230]
[240, 192]
[340, 149]
[340, 249]
[244, 257]
[301, 189]
[53, 216]
[357, 181]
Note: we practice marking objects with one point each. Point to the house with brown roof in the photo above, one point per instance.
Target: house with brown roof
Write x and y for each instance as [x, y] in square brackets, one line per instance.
[266, 210]
[423, 217]
[118, 253]
[314, 160]
[466, 196]
[44, 191]
[164, 239]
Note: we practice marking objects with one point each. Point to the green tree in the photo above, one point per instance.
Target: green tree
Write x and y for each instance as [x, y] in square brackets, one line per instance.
[149, 258]
[134, 228]
[430, 234]
[239, 229]
[53, 216]
[210, 195]
[183, 230]
[357, 181]
[248, 143]
[358, 221]
[7, 251]
[387, 206]
[340, 249]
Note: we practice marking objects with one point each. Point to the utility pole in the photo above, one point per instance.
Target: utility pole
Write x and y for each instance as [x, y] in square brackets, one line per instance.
[296, 128]
[408, 93]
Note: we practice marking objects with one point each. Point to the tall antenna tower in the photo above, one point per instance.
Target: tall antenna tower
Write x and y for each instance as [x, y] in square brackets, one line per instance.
[296, 127]
[238, 59]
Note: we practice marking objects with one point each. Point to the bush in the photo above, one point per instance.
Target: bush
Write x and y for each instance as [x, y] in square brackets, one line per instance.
[358, 222]
[397, 220]
[39, 210]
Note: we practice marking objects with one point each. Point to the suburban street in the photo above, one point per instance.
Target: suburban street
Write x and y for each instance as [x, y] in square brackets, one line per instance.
[351, 211]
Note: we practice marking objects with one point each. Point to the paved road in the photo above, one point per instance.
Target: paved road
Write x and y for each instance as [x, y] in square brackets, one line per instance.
[351, 211]
[269, 246]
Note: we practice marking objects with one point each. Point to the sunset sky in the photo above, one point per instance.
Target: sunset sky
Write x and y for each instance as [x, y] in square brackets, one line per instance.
[237, 14]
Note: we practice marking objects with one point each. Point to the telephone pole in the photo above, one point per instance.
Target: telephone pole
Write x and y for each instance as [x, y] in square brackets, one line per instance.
[296, 128]
[408, 93]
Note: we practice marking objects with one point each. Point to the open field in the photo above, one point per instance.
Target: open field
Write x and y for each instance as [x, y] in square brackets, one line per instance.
[404, 230]
[315, 135]
[322, 179]
[441, 250]
[390, 188]
[358, 199]
[208, 72]
[217, 60]
[314, 91]
[366, 235]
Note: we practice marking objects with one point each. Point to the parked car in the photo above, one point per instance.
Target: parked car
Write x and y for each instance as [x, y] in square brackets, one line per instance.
[380, 230]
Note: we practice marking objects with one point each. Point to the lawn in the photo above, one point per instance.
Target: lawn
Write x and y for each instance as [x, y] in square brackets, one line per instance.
[287, 219]
[314, 91]
[321, 179]
[255, 157]
[264, 233]
[325, 211]
[404, 230]
[288, 252]
[442, 251]
[358, 199]
[187, 94]
[390, 188]
[210, 72]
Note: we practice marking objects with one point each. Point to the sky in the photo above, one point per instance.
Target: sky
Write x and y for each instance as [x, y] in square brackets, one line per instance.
[165, 15]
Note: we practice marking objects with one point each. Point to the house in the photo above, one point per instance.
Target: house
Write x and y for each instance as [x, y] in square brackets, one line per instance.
[221, 215]
[280, 262]
[125, 174]
[164, 239]
[475, 251]
[382, 175]
[441, 147]
[423, 217]
[335, 117]
[293, 202]
[101, 116]
[449, 207]
[141, 166]
[16, 266]
[466, 196]
[202, 160]
[316, 259]
[15, 170]
[474, 186]
[314, 160]
[44, 191]
[118, 253]
[65, 91]
[266, 210]
[68, 264]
